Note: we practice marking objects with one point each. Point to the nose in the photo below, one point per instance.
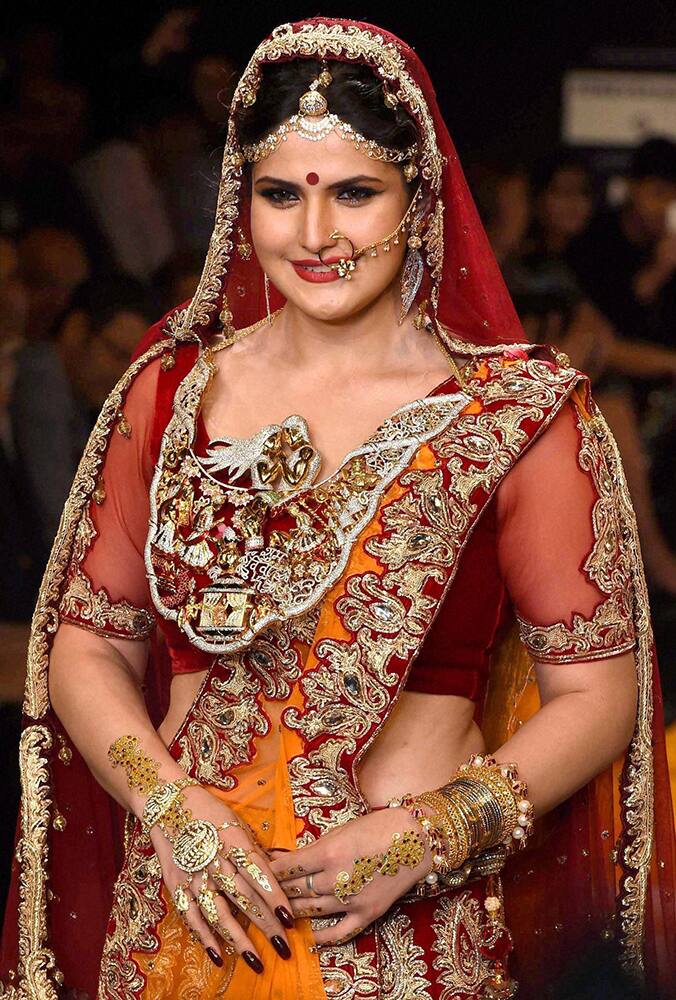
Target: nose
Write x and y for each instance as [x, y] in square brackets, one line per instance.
[315, 223]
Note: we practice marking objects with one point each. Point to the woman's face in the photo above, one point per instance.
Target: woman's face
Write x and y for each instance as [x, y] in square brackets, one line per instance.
[301, 193]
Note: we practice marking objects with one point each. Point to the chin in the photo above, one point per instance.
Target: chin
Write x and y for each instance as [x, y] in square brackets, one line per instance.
[330, 307]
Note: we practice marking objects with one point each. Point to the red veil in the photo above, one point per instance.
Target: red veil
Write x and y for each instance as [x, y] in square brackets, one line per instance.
[609, 849]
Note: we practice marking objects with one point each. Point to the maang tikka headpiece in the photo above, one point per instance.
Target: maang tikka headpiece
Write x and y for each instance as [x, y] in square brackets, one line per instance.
[314, 121]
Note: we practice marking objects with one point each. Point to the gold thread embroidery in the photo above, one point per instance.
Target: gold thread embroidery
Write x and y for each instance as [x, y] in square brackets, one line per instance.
[462, 934]
[96, 612]
[610, 630]
[37, 965]
[402, 962]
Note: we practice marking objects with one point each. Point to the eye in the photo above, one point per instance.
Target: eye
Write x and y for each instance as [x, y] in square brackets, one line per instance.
[355, 195]
[279, 196]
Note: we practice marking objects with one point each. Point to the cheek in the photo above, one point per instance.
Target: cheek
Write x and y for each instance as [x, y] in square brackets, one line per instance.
[271, 228]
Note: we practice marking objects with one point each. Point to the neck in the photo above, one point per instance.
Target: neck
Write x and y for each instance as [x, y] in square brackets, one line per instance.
[361, 342]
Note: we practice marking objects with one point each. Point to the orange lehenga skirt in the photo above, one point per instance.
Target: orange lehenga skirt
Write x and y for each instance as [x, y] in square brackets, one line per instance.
[182, 969]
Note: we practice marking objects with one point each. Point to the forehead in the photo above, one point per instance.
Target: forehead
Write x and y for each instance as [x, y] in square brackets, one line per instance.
[332, 158]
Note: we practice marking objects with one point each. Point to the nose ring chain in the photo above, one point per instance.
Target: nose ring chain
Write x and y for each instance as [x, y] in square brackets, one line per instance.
[345, 266]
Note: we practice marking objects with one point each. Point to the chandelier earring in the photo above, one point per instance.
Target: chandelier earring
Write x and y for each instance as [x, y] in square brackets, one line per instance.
[412, 273]
[244, 248]
[266, 283]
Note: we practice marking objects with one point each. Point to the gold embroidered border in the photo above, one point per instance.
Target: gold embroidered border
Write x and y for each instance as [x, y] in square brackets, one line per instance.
[607, 633]
[638, 778]
[38, 961]
[347, 697]
[95, 611]
[37, 964]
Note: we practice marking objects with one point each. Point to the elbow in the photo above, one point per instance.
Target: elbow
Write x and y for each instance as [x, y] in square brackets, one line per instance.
[624, 713]
[628, 721]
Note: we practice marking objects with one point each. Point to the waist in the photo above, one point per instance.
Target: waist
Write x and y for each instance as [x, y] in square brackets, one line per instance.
[421, 745]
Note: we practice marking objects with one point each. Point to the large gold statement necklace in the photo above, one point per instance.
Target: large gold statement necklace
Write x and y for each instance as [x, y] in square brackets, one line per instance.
[227, 557]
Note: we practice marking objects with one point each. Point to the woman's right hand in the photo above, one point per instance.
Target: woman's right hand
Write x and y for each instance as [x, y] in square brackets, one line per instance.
[266, 907]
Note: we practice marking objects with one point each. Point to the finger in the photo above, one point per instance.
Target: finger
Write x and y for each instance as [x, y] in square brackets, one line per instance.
[300, 862]
[232, 933]
[193, 918]
[238, 890]
[323, 906]
[309, 886]
[342, 932]
[255, 869]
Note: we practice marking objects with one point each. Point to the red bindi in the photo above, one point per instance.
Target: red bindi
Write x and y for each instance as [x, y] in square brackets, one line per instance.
[312, 178]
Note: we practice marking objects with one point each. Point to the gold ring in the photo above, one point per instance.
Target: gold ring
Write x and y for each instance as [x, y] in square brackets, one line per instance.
[206, 900]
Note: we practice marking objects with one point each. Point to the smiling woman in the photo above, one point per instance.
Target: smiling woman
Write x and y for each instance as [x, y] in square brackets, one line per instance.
[368, 558]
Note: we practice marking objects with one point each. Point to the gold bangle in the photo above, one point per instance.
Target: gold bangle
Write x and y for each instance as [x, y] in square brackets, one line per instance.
[483, 805]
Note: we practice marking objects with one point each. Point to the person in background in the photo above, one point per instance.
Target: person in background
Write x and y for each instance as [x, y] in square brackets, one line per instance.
[554, 306]
[625, 262]
[22, 556]
[52, 264]
[61, 383]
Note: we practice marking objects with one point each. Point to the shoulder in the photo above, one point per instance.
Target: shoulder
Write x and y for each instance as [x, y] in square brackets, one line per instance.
[525, 373]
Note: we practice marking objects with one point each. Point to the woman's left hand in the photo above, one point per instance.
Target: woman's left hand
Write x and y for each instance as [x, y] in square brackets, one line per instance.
[308, 875]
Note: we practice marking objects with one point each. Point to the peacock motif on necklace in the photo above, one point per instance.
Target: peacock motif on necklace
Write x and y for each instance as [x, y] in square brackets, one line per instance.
[279, 456]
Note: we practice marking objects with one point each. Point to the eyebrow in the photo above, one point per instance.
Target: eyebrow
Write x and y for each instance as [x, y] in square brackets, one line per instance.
[332, 187]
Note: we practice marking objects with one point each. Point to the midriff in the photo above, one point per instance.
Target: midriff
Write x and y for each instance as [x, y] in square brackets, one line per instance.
[422, 743]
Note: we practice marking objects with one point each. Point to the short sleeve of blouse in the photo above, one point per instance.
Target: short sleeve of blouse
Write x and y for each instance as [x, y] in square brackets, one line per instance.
[560, 545]
[107, 588]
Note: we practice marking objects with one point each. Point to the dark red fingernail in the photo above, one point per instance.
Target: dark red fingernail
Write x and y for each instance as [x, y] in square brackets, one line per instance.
[215, 957]
[254, 962]
[284, 916]
[281, 947]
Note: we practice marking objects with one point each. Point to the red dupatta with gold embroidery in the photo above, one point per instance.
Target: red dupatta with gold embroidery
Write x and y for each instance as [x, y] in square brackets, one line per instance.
[615, 835]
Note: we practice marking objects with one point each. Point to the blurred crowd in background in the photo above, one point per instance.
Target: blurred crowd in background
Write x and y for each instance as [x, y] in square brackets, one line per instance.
[106, 208]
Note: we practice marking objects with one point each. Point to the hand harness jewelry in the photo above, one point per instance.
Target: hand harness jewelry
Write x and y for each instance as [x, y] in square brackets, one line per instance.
[196, 843]
[406, 849]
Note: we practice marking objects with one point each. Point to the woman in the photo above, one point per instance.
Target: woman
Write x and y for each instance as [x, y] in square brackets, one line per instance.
[330, 599]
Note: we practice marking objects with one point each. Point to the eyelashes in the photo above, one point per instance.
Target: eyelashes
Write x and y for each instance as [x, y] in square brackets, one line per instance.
[284, 198]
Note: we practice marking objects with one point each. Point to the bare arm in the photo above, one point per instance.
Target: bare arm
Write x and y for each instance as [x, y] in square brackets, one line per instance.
[95, 689]
[585, 722]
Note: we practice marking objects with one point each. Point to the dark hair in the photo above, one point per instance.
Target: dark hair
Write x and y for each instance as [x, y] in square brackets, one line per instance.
[654, 158]
[545, 170]
[356, 95]
[103, 297]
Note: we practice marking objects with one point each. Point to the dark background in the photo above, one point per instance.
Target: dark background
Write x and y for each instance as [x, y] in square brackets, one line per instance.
[496, 66]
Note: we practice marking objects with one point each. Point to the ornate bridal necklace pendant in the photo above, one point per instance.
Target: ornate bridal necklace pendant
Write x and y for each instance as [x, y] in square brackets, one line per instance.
[279, 457]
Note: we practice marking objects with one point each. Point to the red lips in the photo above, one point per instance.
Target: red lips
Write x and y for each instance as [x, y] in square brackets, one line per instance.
[317, 277]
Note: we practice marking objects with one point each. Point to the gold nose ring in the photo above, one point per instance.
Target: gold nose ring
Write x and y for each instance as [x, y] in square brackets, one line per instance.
[346, 265]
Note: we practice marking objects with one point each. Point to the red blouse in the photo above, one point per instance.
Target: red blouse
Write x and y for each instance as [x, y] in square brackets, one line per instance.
[533, 549]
